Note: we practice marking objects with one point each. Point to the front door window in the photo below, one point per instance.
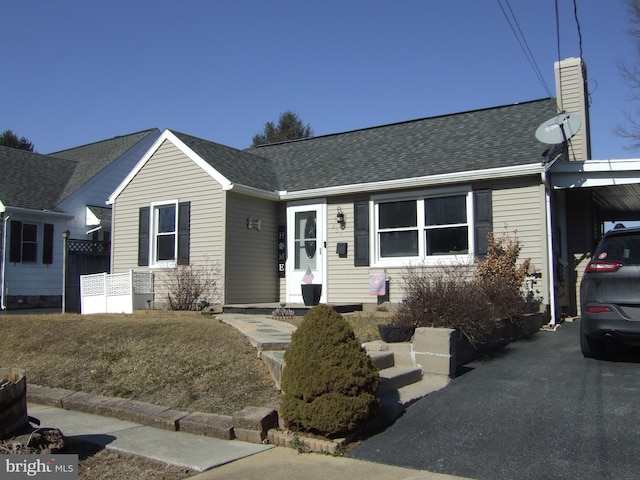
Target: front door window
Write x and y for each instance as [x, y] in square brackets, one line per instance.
[306, 249]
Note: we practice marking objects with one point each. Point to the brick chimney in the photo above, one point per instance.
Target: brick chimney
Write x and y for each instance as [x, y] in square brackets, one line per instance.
[572, 97]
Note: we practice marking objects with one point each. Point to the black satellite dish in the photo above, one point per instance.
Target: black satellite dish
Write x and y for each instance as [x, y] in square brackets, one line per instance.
[559, 129]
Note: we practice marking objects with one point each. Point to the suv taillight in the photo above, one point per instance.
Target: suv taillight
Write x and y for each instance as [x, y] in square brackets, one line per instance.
[598, 309]
[601, 266]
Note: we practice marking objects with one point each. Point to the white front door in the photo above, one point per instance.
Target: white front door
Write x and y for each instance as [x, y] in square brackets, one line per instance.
[306, 261]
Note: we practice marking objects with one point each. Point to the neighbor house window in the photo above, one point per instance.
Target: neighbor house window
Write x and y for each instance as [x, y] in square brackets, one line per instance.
[163, 234]
[423, 227]
[29, 240]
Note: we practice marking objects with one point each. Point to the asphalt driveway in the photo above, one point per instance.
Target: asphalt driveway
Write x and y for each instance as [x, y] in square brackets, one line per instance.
[534, 410]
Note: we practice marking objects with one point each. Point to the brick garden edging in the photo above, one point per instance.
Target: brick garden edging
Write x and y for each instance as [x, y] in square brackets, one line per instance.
[251, 424]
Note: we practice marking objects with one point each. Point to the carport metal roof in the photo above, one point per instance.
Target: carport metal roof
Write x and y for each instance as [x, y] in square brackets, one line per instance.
[615, 184]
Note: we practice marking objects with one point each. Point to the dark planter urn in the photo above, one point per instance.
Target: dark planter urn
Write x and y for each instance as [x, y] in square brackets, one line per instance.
[395, 333]
[311, 293]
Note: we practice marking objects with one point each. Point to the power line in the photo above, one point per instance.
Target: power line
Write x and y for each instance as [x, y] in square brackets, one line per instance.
[575, 14]
[523, 43]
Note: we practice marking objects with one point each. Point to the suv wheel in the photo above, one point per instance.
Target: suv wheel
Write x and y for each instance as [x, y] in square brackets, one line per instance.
[591, 348]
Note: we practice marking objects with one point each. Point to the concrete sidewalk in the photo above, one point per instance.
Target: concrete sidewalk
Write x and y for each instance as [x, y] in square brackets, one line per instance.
[197, 452]
[279, 463]
[215, 458]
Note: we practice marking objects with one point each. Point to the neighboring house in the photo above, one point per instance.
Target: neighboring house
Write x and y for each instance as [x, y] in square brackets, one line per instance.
[343, 210]
[42, 196]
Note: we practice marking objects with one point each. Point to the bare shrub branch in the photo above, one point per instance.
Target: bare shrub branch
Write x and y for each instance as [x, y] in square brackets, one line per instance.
[192, 287]
[476, 302]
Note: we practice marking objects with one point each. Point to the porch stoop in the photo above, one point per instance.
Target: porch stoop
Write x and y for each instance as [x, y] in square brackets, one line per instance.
[402, 382]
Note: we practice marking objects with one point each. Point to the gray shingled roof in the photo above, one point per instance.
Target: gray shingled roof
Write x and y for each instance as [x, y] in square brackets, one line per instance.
[94, 157]
[475, 140]
[33, 181]
[102, 213]
[41, 182]
[237, 166]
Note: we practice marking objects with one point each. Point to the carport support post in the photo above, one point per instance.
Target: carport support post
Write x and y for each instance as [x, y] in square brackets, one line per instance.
[65, 238]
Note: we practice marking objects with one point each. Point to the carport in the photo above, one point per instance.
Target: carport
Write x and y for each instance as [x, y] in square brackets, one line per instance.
[586, 194]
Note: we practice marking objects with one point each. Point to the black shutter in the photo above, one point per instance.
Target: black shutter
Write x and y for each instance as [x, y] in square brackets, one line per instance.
[15, 249]
[482, 220]
[184, 220]
[143, 237]
[47, 244]
[361, 233]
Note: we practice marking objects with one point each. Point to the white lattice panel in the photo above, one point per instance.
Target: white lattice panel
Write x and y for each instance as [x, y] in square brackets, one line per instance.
[142, 282]
[116, 293]
[92, 284]
[118, 284]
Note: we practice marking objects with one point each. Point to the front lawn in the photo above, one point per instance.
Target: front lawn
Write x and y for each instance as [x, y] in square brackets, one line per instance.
[181, 360]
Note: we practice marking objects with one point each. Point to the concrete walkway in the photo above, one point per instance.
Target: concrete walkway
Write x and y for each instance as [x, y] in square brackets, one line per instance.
[263, 332]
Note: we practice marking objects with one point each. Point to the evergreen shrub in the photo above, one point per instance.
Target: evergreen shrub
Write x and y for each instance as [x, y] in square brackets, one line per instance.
[328, 381]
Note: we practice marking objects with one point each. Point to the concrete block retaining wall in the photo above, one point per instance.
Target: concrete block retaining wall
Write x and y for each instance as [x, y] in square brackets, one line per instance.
[252, 423]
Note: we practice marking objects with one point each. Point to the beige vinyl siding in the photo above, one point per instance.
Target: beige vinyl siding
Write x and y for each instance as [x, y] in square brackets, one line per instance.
[251, 255]
[516, 207]
[346, 282]
[170, 175]
[521, 209]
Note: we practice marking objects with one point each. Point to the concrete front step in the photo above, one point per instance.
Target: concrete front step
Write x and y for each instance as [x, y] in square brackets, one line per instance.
[382, 360]
[395, 402]
[396, 377]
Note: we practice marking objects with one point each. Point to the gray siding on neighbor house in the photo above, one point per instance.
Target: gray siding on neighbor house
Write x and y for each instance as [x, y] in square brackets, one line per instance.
[251, 255]
[170, 175]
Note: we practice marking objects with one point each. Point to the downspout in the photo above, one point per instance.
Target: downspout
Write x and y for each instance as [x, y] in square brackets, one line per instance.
[549, 224]
[3, 306]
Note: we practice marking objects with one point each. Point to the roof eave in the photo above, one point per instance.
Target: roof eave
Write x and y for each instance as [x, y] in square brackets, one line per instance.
[169, 135]
[33, 211]
[417, 182]
[253, 192]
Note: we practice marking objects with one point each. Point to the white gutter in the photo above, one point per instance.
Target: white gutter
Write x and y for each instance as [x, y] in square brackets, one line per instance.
[544, 175]
[417, 182]
[30, 211]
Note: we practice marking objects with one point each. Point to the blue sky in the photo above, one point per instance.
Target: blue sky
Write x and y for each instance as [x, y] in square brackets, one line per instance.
[79, 71]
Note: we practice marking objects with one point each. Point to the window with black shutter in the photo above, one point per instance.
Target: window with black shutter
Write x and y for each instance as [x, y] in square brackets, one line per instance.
[361, 233]
[483, 220]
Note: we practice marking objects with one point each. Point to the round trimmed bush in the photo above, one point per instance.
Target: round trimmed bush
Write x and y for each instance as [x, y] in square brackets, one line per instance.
[328, 381]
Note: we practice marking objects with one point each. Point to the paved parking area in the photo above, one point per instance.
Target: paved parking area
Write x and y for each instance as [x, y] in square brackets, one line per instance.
[534, 410]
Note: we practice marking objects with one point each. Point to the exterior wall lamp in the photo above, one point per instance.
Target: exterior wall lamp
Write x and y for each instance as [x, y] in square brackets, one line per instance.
[340, 218]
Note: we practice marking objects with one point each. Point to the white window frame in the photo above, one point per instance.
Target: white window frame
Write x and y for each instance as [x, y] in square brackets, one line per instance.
[153, 235]
[422, 229]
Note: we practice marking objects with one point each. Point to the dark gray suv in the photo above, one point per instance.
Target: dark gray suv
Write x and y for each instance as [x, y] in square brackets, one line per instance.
[610, 292]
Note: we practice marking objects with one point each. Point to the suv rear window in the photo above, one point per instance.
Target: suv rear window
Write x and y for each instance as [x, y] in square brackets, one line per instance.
[623, 248]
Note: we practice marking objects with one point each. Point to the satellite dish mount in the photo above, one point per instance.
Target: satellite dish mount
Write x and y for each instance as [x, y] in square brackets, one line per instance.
[559, 129]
